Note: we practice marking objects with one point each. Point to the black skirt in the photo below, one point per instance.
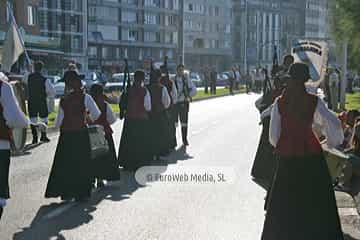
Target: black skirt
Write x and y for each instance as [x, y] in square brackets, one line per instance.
[107, 167]
[161, 133]
[265, 161]
[4, 173]
[302, 202]
[71, 174]
[135, 145]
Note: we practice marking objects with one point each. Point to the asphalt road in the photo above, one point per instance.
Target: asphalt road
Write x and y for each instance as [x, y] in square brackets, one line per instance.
[223, 135]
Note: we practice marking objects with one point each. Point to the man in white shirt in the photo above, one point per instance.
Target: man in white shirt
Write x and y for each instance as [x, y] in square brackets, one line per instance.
[186, 91]
[11, 117]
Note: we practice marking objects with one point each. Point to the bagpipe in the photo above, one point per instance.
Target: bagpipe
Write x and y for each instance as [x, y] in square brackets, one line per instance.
[267, 96]
[124, 99]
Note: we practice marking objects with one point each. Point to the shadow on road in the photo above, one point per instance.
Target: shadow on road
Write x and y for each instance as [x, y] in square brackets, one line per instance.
[49, 225]
[179, 155]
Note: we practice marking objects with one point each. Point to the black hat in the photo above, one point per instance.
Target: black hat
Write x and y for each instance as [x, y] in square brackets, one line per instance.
[73, 79]
[299, 72]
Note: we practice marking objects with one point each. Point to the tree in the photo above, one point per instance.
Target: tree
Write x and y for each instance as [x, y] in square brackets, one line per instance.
[346, 27]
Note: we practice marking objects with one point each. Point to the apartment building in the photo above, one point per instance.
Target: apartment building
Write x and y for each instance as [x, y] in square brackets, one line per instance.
[139, 30]
[39, 47]
[208, 34]
[260, 25]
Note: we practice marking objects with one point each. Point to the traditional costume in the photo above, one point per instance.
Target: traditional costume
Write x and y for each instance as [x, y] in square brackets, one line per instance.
[71, 174]
[11, 116]
[39, 89]
[135, 145]
[171, 111]
[160, 101]
[302, 202]
[106, 167]
[186, 90]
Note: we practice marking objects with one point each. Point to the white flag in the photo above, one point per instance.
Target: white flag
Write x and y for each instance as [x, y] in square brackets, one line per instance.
[12, 48]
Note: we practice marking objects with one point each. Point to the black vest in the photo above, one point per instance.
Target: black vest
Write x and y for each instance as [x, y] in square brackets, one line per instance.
[37, 89]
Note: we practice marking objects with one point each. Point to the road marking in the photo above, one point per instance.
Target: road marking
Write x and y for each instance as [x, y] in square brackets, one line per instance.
[348, 212]
[60, 210]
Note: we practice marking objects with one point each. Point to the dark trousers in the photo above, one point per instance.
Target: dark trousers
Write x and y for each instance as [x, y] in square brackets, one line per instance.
[38, 109]
[231, 87]
[206, 86]
[183, 114]
[213, 87]
[4, 173]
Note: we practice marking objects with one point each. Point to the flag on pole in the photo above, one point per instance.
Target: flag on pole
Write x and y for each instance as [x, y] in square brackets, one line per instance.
[12, 48]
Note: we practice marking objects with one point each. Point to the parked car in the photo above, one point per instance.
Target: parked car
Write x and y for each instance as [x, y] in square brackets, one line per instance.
[59, 87]
[91, 78]
[223, 79]
[116, 84]
[196, 79]
[53, 78]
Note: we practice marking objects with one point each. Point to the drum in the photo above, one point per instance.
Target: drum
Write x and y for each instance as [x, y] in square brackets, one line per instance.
[336, 162]
[19, 134]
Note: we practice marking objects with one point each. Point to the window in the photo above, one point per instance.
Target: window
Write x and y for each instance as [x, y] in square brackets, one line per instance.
[150, 18]
[128, 16]
[32, 16]
[132, 35]
[190, 7]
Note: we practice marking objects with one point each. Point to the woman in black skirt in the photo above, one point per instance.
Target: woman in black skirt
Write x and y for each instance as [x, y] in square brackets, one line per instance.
[265, 162]
[106, 167]
[71, 174]
[160, 101]
[135, 148]
[301, 203]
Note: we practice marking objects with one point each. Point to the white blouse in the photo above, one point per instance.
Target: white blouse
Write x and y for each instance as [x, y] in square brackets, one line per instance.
[14, 116]
[324, 119]
[89, 105]
[165, 98]
[147, 101]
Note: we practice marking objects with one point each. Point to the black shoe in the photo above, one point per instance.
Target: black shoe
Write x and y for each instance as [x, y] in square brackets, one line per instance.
[82, 199]
[44, 138]
[34, 134]
[1, 211]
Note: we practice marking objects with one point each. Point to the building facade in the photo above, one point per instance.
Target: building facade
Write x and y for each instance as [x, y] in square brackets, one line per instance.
[208, 34]
[317, 19]
[38, 46]
[260, 25]
[66, 20]
[139, 30]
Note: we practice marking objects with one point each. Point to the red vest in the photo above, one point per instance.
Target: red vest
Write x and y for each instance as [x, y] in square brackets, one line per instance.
[297, 137]
[74, 112]
[136, 108]
[5, 131]
[102, 120]
[156, 98]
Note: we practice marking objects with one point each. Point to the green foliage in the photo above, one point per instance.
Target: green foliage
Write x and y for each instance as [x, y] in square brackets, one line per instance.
[345, 26]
